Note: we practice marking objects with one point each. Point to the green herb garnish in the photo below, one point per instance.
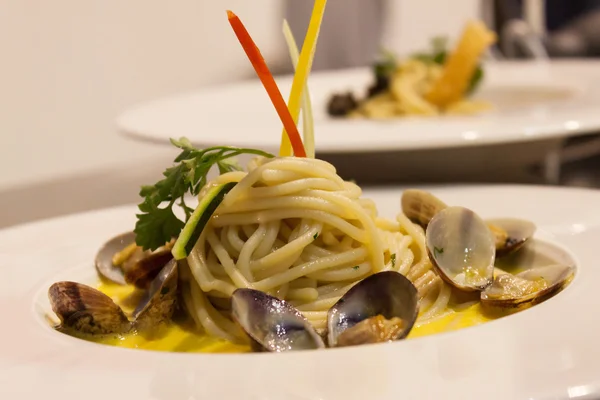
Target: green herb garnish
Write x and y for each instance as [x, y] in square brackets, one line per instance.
[355, 267]
[157, 225]
[386, 65]
[437, 251]
[475, 79]
[393, 259]
[315, 236]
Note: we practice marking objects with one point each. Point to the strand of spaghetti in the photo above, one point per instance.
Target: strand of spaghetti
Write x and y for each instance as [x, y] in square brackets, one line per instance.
[303, 69]
[308, 131]
[265, 76]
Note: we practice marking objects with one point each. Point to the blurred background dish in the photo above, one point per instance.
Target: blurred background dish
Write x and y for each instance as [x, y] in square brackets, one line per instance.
[70, 69]
[531, 101]
[536, 105]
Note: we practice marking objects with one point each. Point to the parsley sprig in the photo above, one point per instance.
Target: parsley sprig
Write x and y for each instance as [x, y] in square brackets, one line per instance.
[157, 224]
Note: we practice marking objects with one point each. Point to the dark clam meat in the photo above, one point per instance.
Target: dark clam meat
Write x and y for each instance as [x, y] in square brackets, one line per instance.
[141, 272]
[160, 300]
[382, 307]
[376, 329]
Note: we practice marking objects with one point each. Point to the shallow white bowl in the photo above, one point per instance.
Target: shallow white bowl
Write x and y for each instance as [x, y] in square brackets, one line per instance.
[547, 352]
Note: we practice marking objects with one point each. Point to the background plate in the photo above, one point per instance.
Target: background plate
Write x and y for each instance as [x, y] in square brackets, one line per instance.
[534, 101]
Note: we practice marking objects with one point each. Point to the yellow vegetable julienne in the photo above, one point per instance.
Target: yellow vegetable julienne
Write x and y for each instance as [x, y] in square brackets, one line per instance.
[303, 70]
[458, 69]
[307, 113]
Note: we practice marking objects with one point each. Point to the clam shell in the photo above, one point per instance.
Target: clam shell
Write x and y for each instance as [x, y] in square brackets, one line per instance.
[510, 234]
[461, 248]
[517, 233]
[86, 310]
[527, 288]
[142, 271]
[104, 257]
[388, 293]
[159, 302]
[420, 206]
[273, 324]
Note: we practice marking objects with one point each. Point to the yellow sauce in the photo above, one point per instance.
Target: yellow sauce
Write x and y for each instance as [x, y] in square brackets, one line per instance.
[453, 321]
[177, 339]
[180, 337]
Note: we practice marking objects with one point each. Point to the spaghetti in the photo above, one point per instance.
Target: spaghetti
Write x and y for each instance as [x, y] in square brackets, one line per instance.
[293, 228]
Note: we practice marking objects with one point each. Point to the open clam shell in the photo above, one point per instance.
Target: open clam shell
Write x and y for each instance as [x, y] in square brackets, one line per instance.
[104, 257]
[528, 287]
[386, 294]
[159, 302]
[139, 268]
[420, 206]
[273, 324]
[461, 248]
[141, 271]
[511, 234]
[86, 310]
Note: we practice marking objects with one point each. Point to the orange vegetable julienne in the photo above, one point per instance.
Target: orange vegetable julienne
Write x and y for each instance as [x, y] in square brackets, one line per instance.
[262, 70]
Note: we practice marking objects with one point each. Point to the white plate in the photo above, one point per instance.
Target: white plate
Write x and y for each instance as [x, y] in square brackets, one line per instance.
[547, 352]
[533, 102]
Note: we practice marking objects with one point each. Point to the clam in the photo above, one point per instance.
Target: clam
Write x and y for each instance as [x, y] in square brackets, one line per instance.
[510, 234]
[273, 324]
[122, 262]
[86, 310]
[420, 206]
[158, 304]
[104, 257]
[528, 287]
[141, 271]
[380, 308]
[461, 248]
